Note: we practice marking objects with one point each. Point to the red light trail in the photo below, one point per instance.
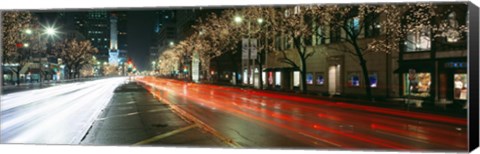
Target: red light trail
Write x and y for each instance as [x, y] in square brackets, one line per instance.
[337, 124]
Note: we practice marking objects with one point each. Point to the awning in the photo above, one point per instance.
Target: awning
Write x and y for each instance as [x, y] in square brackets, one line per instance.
[418, 66]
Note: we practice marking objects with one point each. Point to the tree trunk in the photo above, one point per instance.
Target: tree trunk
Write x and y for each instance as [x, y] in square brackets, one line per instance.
[368, 89]
[260, 67]
[260, 76]
[18, 77]
[217, 76]
[363, 64]
[303, 73]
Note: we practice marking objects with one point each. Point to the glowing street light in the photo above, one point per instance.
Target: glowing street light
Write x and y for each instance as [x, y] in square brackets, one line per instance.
[28, 31]
[50, 31]
[26, 45]
[260, 20]
[171, 43]
[237, 19]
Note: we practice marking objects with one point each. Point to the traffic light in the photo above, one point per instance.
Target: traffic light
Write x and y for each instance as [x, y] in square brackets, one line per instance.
[185, 69]
[19, 45]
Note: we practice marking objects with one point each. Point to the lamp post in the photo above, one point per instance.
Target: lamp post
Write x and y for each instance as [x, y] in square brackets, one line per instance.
[51, 32]
[250, 73]
[153, 66]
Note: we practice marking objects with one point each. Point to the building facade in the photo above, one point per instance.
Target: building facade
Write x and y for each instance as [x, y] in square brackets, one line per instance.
[427, 68]
[434, 69]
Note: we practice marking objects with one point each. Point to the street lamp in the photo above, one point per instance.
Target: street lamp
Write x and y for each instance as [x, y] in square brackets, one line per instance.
[26, 45]
[153, 65]
[250, 74]
[237, 19]
[51, 31]
[260, 20]
[28, 31]
[171, 43]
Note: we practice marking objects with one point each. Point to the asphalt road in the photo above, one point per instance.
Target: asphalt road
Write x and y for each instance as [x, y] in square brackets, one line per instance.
[55, 115]
[256, 119]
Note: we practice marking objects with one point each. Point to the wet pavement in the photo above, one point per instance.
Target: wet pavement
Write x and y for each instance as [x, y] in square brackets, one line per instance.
[255, 119]
[135, 117]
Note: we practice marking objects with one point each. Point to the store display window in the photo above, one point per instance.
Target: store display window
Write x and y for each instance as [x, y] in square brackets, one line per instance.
[296, 78]
[309, 78]
[320, 79]
[354, 80]
[460, 86]
[417, 84]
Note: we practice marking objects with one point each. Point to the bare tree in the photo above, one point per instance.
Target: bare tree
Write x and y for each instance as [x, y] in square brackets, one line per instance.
[20, 40]
[214, 37]
[75, 54]
[297, 25]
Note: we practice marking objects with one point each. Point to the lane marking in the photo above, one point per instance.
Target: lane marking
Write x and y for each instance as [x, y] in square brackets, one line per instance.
[133, 113]
[320, 139]
[189, 117]
[165, 135]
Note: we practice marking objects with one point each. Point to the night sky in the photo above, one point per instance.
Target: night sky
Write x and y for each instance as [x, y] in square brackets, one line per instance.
[140, 35]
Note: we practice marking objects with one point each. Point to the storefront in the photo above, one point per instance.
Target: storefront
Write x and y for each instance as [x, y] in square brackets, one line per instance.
[284, 79]
[417, 80]
[441, 81]
[453, 81]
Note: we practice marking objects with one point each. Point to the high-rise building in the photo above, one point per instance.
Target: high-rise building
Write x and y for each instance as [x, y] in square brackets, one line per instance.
[96, 27]
[165, 32]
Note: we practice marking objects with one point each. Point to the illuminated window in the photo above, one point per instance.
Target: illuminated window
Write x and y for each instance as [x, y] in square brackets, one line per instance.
[320, 79]
[309, 78]
[270, 78]
[355, 24]
[418, 84]
[297, 10]
[418, 40]
[264, 78]
[460, 86]
[354, 80]
[451, 25]
[296, 78]
[373, 80]
[245, 76]
[278, 77]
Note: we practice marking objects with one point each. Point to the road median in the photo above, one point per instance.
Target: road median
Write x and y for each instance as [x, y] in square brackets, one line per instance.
[135, 117]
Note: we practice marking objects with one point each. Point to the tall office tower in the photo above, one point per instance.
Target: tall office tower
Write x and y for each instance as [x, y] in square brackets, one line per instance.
[94, 25]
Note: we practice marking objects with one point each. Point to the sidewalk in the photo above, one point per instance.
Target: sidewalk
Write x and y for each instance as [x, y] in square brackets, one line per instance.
[135, 117]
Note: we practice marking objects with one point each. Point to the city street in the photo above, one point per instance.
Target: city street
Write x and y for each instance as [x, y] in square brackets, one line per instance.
[392, 77]
[55, 115]
[263, 120]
